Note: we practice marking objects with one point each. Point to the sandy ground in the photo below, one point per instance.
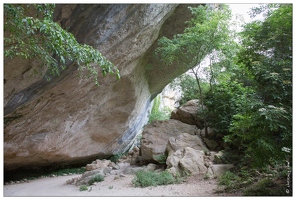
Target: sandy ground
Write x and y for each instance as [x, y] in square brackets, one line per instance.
[56, 186]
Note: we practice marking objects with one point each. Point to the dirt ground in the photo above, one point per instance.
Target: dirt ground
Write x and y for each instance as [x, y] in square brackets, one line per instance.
[111, 186]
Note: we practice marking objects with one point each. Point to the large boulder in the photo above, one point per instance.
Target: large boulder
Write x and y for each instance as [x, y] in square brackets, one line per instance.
[188, 113]
[187, 160]
[193, 161]
[185, 140]
[69, 120]
[156, 135]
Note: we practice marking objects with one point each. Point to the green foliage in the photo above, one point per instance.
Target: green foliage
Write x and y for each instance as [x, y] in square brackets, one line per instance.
[233, 181]
[225, 100]
[267, 54]
[252, 107]
[83, 188]
[207, 31]
[206, 176]
[149, 178]
[189, 87]
[156, 113]
[116, 157]
[30, 33]
[264, 132]
[161, 158]
[229, 180]
[253, 183]
[96, 178]
[264, 125]
[266, 187]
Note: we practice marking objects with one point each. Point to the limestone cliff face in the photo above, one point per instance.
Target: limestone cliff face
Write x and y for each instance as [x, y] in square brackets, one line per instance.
[70, 120]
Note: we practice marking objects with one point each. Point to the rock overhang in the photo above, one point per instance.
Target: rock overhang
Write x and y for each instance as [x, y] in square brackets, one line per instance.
[82, 120]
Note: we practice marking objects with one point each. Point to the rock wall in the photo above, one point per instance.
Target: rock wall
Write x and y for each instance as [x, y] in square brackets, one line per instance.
[170, 97]
[70, 120]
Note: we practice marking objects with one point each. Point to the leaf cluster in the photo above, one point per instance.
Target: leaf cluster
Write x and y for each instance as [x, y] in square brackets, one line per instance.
[30, 33]
[189, 87]
[206, 32]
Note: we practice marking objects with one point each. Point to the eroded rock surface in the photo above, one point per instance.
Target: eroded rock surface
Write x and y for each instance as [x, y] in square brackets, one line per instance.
[70, 120]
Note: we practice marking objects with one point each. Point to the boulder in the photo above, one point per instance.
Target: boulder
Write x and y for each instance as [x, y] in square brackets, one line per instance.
[212, 144]
[193, 161]
[187, 160]
[218, 170]
[156, 135]
[187, 113]
[184, 140]
[151, 167]
[174, 158]
[176, 171]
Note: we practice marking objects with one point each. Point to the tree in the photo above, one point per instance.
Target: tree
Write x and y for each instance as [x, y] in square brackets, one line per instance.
[207, 31]
[256, 114]
[30, 33]
[265, 125]
[267, 54]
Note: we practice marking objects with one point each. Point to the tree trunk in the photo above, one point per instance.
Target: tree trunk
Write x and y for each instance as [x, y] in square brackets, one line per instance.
[201, 102]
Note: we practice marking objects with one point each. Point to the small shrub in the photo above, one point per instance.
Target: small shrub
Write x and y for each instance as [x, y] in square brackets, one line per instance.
[229, 180]
[161, 158]
[148, 178]
[206, 176]
[116, 157]
[83, 188]
[238, 179]
[96, 178]
[111, 187]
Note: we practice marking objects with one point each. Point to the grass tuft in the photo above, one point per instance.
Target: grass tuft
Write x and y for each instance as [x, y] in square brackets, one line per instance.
[96, 178]
[83, 188]
[148, 178]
